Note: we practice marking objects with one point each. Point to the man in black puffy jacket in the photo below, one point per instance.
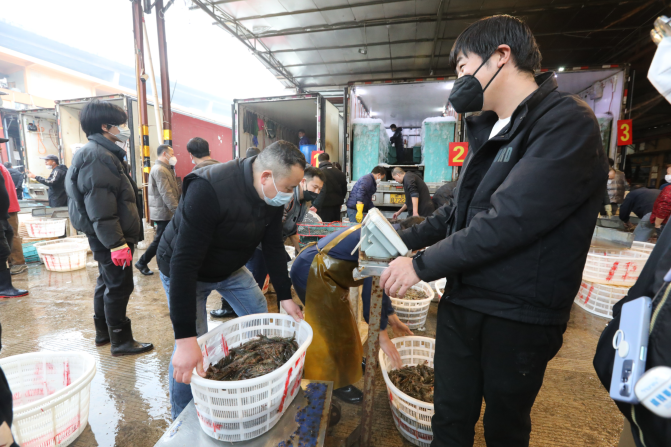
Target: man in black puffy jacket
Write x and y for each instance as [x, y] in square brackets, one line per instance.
[103, 203]
[332, 196]
[513, 258]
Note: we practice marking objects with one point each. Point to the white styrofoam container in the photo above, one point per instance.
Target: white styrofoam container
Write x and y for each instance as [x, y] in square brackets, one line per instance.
[599, 299]
[51, 394]
[45, 227]
[614, 267]
[63, 255]
[244, 409]
[413, 312]
[412, 417]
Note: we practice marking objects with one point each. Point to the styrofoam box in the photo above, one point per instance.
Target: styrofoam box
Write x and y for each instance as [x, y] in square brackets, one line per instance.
[412, 417]
[599, 299]
[245, 409]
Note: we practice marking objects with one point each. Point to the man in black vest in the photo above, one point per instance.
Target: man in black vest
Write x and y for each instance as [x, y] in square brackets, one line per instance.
[332, 197]
[513, 258]
[226, 210]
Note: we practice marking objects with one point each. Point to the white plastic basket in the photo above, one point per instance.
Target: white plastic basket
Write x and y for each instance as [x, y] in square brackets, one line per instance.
[413, 312]
[599, 299]
[614, 267]
[46, 227]
[244, 409]
[439, 285]
[412, 417]
[645, 247]
[51, 392]
[63, 255]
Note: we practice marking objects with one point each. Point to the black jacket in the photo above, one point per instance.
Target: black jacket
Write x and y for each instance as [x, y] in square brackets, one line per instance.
[103, 199]
[414, 186]
[17, 178]
[56, 184]
[335, 187]
[656, 430]
[444, 195]
[397, 140]
[515, 243]
[640, 201]
[219, 223]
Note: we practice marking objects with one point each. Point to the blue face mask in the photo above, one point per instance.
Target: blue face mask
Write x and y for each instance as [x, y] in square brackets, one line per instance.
[281, 199]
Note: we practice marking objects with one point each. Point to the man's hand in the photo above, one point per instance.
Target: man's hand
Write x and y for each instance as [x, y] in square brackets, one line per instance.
[313, 209]
[415, 213]
[396, 214]
[359, 212]
[30, 174]
[388, 347]
[399, 277]
[609, 210]
[187, 356]
[398, 326]
[292, 309]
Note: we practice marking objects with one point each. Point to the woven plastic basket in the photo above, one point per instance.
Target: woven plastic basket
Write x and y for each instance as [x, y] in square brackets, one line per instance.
[244, 409]
[599, 299]
[614, 267]
[46, 227]
[51, 392]
[63, 255]
[439, 285]
[413, 312]
[645, 247]
[412, 417]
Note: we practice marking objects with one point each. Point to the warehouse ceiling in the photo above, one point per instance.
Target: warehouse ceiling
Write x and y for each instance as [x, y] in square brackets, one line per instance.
[321, 45]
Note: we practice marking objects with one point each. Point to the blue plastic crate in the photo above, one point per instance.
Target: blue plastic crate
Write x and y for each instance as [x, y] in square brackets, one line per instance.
[30, 252]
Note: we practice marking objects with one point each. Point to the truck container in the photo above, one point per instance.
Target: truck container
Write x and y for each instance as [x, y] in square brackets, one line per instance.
[38, 130]
[258, 122]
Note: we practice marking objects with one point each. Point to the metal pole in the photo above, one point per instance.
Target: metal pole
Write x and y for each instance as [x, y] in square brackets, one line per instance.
[372, 348]
[157, 114]
[165, 80]
[142, 102]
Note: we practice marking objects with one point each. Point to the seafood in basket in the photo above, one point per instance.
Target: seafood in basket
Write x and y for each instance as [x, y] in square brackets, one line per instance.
[415, 381]
[254, 358]
[414, 294]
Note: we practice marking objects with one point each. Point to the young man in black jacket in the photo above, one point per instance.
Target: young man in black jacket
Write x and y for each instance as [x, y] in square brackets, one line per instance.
[103, 204]
[513, 258]
[226, 210]
[332, 197]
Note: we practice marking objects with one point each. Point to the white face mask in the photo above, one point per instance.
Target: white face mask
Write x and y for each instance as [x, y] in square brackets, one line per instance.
[667, 177]
[124, 133]
[378, 180]
[172, 160]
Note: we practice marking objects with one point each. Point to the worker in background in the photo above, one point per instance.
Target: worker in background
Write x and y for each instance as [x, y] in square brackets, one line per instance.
[7, 290]
[397, 141]
[294, 213]
[55, 182]
[361, 197]
[322, 275]
[199, 151]
[163, 201]
[417, 196]
[667, 178]
[332, 196]
[104, 203]
[504, 247]
[302, 138]
[225, 212]
[617, 185]
[661, 210]
[16, 260]
[17, 178]
[639, 201]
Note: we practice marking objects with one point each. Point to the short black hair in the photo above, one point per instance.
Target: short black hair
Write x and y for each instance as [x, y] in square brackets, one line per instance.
[251, 151]
[279, 157]
[301, 130]
[393, 126]
[198, 147]
[312, 172]
[8, 165]
[337, 165]
[378, 170]
[397, 171]
[484, 37]
[611, 162]
[96, 113]
[162, 148]
[323, 157]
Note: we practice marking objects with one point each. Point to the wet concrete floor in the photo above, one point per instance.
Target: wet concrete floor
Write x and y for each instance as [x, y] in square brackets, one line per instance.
[129, 395]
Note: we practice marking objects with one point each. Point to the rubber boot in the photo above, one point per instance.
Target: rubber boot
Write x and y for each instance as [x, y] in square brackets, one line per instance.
[226, 311]
[143, 268]
[7, 290]
[102, 332]
[123, 342]
[349, 394]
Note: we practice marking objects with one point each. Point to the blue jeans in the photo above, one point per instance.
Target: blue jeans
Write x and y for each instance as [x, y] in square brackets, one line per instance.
[644, 230]
[351, 214]
[257, 266]
[244, 296]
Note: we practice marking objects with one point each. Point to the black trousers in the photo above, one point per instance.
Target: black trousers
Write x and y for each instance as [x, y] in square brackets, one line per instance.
[330, 214]
[6, 238]
[151, 250]
[478, 355]
[113, 288]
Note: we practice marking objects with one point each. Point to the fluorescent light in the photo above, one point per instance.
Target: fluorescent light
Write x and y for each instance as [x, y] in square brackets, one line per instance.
[373, 113]
[561, 69]
[449, 85]
[360, 91]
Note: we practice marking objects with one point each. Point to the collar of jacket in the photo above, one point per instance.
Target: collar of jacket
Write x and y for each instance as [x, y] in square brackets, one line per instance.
[481, 126]
[325, 164]
[107, 144]
[248, 178]
[165, 165]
